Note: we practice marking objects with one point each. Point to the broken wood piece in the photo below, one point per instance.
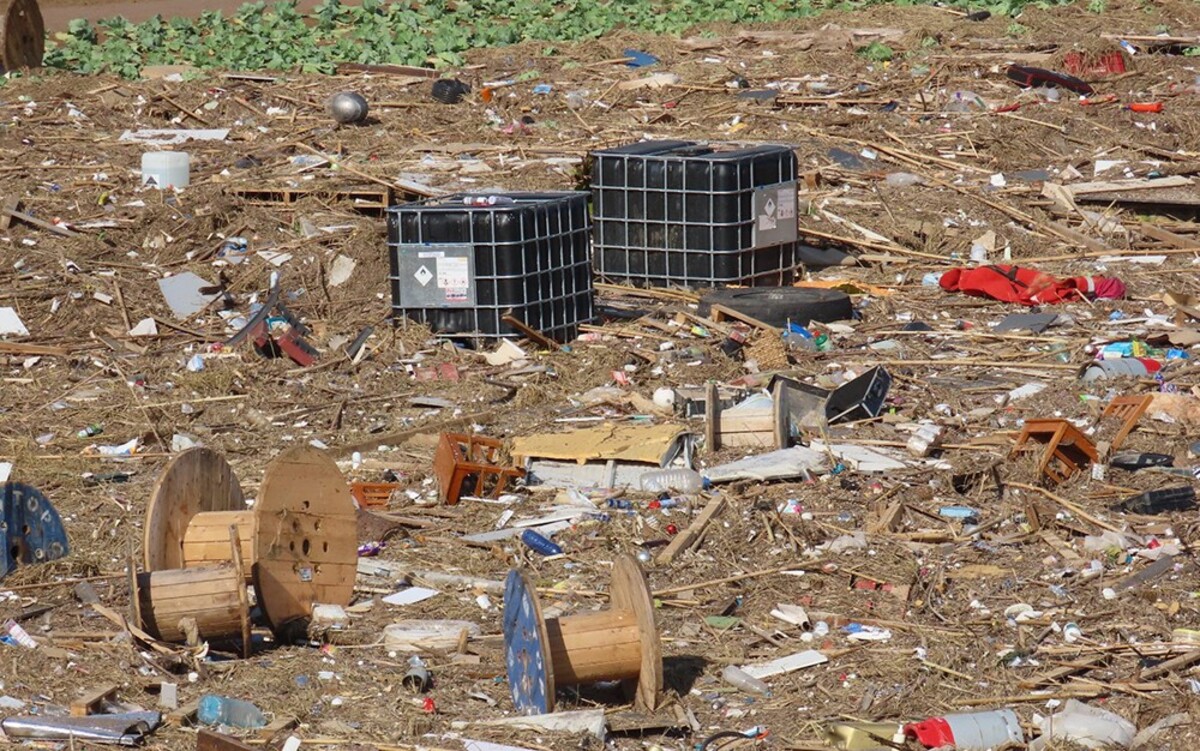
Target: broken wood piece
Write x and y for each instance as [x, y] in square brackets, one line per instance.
[686, 537]
[185, 714]
[207, 740]
[530, 333]
[1182, 661]
[9, 210]
[93, 701]
[1064, 671]
[721, 313]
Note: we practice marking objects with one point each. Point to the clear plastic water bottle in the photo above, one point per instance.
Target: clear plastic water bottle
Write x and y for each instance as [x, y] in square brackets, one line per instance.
[679, 480]
[234, 713]
[739, 678]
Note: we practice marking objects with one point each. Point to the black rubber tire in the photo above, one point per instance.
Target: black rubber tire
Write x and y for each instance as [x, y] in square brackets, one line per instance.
[778, 305]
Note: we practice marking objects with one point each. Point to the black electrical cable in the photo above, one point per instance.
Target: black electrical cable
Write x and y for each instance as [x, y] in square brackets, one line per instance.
[703, 745]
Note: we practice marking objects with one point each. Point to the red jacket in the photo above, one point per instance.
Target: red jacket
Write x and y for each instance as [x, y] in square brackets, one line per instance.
[1028, 286]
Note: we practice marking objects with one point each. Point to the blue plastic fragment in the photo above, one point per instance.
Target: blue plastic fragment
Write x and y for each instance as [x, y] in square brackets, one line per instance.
[639, 59]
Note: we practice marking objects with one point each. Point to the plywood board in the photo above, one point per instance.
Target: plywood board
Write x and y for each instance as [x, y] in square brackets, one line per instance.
[619, 441]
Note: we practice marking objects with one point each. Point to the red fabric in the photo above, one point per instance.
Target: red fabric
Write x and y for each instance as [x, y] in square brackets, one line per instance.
[1028, 286]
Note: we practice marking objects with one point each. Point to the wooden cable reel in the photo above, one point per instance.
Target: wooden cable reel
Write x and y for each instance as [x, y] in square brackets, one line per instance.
[188, 604]
[300, 539]
[617, 644]
[22, 34]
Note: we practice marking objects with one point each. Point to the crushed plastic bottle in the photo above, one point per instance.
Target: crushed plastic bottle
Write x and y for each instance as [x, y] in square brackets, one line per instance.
[679, 480]
[234, 713]
[739, 678]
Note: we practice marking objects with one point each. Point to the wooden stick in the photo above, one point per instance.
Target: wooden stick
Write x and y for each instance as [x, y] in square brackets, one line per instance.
[728, 579]
[1182, 661]
[1074, 508]
[982, 364]
[686, 537]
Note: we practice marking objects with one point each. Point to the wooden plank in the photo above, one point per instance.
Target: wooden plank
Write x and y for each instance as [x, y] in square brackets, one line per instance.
[1120, 186]
[207, 740]
[1056, 675]
[721, 313]
[91, 702]
[1163, 236]
[685, 538]
[1182, 661]
[185, 714]
[530, 333]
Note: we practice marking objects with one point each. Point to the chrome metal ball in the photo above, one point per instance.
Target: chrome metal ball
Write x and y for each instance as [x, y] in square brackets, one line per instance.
[643, 555]
[348, 107]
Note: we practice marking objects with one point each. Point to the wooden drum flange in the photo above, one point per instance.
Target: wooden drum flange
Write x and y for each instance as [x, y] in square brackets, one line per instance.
[617, 644]
[299, 541]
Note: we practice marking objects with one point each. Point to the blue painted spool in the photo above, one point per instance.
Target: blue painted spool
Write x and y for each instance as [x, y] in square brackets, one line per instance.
[620, 644]
[530, 677]
[32, 531]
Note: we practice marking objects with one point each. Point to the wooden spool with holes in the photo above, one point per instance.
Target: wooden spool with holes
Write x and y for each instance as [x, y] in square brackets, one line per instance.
[609, 645]
[22, 34]
[205, 602]
[300, 539]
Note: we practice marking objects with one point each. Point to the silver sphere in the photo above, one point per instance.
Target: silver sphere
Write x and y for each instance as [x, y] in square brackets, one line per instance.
[348, 107]
[643, 555]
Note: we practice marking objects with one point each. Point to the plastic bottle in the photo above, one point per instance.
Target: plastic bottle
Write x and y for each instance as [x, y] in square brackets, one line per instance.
[90, 431]
[969, 731]
[234, 713]
[539, 543]
[739, 678]
[679, 480]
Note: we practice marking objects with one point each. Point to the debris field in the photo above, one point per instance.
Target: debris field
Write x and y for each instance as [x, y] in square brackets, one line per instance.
[998, 514]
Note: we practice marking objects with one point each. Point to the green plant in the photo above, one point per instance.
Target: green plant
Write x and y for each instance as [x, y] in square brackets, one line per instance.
[877, 52]
[278, 36]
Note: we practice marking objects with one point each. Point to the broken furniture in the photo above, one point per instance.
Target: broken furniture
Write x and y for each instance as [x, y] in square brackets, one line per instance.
[793, 406]
[1067, 451]
[1127, 409]
[470, 460]
[30, 528]
[299, 542]
[372, 495]
[608, 645]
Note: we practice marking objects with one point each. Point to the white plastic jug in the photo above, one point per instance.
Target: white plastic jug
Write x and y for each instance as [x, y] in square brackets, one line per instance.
[166, 169]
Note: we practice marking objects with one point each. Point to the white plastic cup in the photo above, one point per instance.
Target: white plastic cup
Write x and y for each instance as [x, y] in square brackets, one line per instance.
[166, 169]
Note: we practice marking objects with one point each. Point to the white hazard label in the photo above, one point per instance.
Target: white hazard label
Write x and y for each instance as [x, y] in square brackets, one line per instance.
[767, 220]
[423, 275]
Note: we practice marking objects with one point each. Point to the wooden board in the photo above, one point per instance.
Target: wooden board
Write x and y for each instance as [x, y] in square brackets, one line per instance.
[686, 537]
[92, 701]
[307, 542]
[196, 481]
[629, 591]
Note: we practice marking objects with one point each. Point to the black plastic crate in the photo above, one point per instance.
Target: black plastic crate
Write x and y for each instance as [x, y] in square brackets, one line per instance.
[460, 263]
[680, 213]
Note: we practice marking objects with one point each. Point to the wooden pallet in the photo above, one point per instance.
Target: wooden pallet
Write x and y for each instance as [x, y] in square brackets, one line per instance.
[365, 199]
